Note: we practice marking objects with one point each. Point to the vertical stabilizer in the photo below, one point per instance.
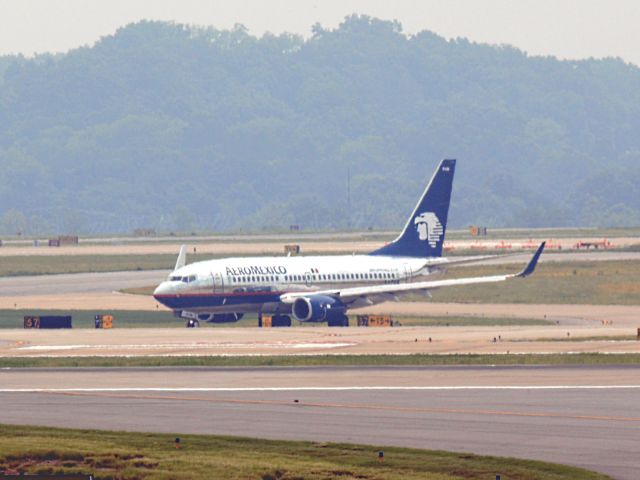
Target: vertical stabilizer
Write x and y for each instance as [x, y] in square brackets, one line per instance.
[182, 258]
[423, 235]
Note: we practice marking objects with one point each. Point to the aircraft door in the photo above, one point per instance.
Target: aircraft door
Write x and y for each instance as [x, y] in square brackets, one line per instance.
[406, 272]
[218, 283]
[307, 278]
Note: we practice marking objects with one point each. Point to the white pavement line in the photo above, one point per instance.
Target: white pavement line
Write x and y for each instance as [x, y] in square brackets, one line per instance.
[296, 389]
[199, 345]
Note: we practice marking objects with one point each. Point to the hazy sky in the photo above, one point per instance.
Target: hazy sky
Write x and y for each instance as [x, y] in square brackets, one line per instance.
[564, 28]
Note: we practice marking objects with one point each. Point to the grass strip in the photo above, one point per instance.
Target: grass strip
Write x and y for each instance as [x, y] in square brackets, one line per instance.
[584, 282]
[163, 319]
[325, 360]
[86, 318]
[128, 455]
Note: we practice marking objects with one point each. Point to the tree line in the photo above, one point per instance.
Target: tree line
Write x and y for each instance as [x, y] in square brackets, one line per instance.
[185, 128]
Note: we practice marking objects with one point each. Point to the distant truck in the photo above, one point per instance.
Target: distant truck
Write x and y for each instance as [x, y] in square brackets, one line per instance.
[63, 240]
[376, 321]
[595, 244]
[477, 231]
[144, 232]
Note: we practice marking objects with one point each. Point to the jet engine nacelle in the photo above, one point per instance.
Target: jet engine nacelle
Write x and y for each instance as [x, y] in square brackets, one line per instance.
[317, 308]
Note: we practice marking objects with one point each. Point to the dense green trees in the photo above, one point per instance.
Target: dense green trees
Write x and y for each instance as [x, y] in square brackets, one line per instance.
[176, 127]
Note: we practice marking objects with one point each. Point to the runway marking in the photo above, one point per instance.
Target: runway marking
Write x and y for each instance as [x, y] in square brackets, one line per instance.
[197, 345]
[314, 388]
[392, 408]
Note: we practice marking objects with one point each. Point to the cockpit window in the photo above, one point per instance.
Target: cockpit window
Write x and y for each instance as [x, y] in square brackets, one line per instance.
[177, 278]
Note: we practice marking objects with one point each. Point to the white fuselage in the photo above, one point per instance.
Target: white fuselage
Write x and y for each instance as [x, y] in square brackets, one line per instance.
[221, 281]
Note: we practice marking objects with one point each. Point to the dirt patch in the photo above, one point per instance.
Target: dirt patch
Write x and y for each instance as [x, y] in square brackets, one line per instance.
[70, 463]
[626, 288]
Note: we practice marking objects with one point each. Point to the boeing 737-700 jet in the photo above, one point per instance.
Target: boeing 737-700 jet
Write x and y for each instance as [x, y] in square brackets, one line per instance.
[323, 288]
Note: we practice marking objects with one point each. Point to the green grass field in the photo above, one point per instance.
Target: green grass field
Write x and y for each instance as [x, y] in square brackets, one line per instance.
[164, 319]
[85, 319]
[325, 360]
[120, 455]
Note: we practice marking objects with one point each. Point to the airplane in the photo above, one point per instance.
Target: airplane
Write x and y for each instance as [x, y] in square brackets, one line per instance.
[324, 288]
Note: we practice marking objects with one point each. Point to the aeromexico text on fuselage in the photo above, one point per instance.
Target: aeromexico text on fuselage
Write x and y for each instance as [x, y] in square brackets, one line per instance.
[256, 270]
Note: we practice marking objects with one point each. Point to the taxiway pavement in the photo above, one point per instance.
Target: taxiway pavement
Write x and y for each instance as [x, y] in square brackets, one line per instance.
[108, 282]
[586, 416]
[317, 340]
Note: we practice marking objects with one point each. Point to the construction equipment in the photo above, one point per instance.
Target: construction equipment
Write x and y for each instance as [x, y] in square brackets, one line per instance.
[104, 321]
[376, 321]
[49, 321]
[593, 243]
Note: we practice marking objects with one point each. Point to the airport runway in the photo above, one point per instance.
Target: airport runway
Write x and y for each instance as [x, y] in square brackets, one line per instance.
[584, 416]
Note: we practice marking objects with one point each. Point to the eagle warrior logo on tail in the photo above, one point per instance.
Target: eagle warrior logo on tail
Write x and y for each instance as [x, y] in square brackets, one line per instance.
[429, 228]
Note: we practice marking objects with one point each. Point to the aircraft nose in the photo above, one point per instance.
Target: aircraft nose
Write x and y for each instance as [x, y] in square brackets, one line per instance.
[161, 289]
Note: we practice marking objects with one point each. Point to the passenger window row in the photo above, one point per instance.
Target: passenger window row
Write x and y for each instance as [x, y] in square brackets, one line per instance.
[315, 277]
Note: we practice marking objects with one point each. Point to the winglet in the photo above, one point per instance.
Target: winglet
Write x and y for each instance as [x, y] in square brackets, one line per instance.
[528, 270]
[182, 258]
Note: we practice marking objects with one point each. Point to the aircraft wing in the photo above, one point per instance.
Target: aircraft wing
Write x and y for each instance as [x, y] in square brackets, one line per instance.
[346, 295]
[473, 259]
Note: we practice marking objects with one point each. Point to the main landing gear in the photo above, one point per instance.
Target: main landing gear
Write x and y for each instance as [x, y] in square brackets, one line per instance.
[339, 321]
[281, 321]
[192, 323]
[274, 320]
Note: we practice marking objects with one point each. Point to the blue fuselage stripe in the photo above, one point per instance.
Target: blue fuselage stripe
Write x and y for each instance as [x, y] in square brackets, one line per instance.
[186, 301]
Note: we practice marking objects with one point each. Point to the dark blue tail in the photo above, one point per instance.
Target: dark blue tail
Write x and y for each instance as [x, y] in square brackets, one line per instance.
[423, 235]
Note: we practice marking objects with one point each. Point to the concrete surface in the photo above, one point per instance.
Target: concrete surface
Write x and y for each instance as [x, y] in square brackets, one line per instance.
[316, 340]
[583, 416]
